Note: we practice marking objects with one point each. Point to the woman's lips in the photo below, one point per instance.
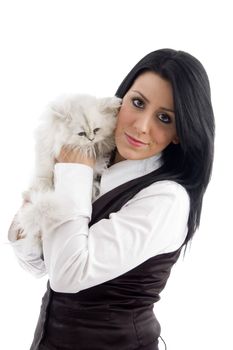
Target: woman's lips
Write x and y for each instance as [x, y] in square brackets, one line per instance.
[134, 142]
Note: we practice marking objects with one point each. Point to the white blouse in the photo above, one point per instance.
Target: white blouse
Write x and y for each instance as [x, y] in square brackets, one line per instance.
[77, 257]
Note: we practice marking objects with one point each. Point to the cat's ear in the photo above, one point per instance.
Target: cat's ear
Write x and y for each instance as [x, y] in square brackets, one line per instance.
[59, 112]
[110, 104]
[56, 113]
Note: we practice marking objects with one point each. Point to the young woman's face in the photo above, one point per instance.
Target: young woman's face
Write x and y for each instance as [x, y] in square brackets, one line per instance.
[146, 120]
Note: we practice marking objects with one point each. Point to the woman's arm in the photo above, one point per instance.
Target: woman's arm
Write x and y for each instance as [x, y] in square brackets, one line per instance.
[78, 257]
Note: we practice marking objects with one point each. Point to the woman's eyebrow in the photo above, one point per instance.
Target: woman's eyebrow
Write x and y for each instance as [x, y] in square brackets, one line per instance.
[168, 109]
[146, 99]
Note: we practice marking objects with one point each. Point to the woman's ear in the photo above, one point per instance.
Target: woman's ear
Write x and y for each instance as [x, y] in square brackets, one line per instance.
[176, 140]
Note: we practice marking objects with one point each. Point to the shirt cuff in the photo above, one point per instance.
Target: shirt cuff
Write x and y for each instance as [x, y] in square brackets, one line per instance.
[74, 182]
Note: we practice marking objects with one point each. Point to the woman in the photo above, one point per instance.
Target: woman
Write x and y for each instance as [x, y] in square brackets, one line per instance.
[108, 262]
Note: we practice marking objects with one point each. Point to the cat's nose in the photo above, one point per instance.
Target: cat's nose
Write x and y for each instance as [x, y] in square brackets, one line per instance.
[91, 139]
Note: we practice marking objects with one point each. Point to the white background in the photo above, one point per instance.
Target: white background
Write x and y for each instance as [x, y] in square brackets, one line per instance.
[53, 46]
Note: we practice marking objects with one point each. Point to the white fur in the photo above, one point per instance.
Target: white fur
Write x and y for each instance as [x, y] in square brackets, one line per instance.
[62, 123]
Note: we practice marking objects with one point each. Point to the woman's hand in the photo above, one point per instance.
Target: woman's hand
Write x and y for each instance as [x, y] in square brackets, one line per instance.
[69, 155]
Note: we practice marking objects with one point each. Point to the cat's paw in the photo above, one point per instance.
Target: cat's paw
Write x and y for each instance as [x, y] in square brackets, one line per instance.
[28, 220]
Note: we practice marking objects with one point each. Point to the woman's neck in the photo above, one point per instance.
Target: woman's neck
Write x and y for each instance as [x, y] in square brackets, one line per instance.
[118, 158]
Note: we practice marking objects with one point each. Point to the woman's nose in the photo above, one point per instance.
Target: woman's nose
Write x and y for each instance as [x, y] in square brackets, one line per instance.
[142, 124]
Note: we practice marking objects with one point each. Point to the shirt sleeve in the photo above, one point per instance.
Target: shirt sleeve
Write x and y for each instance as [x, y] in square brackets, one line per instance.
[78, 257]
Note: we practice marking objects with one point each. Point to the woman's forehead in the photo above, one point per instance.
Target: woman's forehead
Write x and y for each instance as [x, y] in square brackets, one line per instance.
[153, 87]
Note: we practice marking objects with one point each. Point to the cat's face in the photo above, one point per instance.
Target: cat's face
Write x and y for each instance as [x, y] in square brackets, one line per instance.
[85, 120]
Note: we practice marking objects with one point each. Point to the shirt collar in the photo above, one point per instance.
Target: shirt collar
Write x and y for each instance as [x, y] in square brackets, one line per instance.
[127, 170]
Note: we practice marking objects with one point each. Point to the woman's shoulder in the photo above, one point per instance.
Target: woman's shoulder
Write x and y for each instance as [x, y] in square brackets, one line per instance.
[162, 188]
[168, 186]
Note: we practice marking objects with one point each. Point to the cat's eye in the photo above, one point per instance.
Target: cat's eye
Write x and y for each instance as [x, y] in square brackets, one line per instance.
[96, 130]
[82, 133]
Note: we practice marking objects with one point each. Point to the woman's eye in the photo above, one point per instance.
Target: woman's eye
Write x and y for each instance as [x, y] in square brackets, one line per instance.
[165, 118]
[138, 103]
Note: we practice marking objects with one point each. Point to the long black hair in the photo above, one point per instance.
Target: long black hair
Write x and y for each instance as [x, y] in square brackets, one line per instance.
[189, 162]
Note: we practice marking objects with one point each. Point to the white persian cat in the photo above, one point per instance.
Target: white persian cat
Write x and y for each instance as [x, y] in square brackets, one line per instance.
[82, 122]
